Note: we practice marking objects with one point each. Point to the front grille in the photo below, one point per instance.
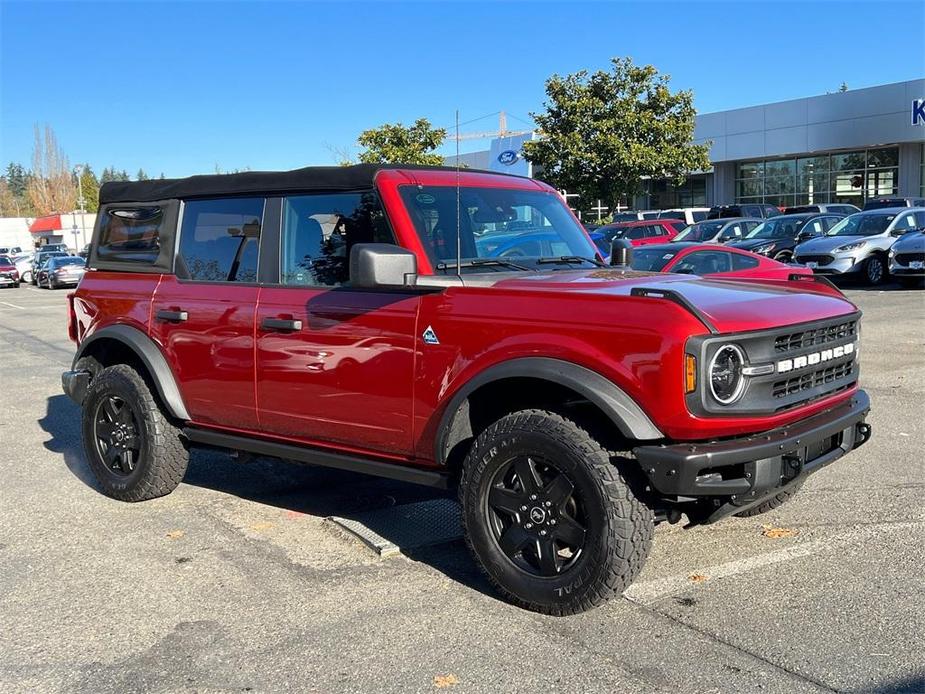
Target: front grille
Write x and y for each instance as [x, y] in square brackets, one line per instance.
[817, 336]
[807, 359]
[906, 258]
[815, 379]
[821, 259]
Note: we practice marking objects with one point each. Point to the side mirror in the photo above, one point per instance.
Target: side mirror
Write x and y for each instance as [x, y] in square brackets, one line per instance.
[382, 265]
[805, 236]
[621, 252]
[900, 232]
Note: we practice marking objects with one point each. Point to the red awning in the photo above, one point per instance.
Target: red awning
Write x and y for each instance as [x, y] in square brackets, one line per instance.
[51, 222]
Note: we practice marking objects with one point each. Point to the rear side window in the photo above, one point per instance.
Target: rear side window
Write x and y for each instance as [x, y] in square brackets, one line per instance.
[743, 262]
[635, 232]
[219, 240]
[131, 234]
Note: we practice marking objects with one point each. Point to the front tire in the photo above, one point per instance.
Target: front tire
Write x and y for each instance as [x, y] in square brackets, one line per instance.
[875, 270]
[134, 451]
[548, 516]
[773, 503]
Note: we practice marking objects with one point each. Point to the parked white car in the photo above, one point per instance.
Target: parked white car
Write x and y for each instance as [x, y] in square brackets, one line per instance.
[690, 215]
[859, 244]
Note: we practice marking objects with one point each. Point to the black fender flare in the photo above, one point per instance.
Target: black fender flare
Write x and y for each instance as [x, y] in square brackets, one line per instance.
[619, 407]
[151, 356]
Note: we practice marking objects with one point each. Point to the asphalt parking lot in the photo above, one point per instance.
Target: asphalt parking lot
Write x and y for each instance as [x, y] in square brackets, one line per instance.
[236, 582]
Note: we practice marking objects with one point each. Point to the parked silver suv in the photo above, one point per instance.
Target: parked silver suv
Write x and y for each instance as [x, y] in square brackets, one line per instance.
[859, 243]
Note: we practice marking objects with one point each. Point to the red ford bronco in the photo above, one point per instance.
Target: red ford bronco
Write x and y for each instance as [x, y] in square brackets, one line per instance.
[454, 329]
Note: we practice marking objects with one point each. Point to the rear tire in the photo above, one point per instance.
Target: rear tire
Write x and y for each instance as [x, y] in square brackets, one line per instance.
[550, 519]
[771, 504]
[134, 451]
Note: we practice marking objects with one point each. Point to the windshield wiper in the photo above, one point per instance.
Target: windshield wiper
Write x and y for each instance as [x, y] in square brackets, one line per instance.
[570, 259]
[484, 262]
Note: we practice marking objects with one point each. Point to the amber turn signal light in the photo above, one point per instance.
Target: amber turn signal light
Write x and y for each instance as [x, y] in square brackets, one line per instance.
[690, 373]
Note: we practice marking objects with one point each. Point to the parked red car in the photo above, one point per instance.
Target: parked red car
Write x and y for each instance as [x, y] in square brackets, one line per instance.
[9, 275]
[641, 233]
[712, 260]
[347, 317]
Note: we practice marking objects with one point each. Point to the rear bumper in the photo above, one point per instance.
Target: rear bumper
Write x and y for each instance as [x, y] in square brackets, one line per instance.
[738, 473]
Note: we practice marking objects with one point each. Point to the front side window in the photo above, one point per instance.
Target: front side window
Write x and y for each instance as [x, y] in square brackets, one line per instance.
[862, 225]
[319, 231]
[219, 240]
[130, 234]
[523, 226]
[704, 263]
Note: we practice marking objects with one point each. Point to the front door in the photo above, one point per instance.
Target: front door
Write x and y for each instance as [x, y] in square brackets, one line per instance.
[335, 365]
[204, 316]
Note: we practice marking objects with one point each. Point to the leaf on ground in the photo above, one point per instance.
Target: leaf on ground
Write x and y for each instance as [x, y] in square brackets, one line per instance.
[777, 533]
[443, 681]
[175, 534]
[263, 525]
[698, 578]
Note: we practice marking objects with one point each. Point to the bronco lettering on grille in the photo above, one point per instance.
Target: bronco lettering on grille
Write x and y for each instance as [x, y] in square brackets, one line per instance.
[814, 358]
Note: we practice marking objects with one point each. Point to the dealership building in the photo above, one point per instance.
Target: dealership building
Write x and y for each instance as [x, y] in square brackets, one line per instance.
[843, 147]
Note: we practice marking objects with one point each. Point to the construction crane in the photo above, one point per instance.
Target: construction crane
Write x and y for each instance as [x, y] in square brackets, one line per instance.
[502, 131]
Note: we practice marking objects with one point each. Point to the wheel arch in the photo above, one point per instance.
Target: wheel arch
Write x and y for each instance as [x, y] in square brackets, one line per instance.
[562, 377]
[115, 340]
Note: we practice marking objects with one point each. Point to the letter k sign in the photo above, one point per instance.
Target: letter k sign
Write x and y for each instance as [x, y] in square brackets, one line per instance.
[918, 112]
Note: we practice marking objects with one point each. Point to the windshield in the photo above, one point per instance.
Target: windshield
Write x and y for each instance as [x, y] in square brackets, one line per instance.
[778, 228]
[862, 225]
[651, 259]
[700, 232]
[5, 262]
[518, 225]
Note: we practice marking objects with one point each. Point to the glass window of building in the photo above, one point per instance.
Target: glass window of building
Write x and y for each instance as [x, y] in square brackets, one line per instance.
[840, 177]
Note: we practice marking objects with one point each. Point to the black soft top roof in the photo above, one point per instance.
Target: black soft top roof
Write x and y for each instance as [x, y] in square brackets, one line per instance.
[311, 178]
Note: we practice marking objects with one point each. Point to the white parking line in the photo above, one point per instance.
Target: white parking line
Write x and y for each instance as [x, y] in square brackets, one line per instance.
[7, 303]
[650, 592]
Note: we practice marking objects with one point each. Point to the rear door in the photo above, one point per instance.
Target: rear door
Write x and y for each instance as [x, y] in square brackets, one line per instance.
[335, 365]
[203, 317]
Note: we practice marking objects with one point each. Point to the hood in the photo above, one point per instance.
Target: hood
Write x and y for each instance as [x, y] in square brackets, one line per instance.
[730, 305]
[910, 243]
[748, 244]
[827, 244]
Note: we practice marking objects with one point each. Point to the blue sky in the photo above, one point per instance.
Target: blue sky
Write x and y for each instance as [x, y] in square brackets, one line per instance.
[183, 88]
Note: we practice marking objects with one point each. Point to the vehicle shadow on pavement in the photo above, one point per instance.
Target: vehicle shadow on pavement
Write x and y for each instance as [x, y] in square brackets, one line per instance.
[62, 422]
[323, 492]
[293, 487]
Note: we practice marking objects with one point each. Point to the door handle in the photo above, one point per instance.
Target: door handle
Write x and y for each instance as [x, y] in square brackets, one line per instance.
[282, 324]
[171, 316]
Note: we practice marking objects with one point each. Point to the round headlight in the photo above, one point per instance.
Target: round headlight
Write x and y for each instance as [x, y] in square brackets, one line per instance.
[726, 379]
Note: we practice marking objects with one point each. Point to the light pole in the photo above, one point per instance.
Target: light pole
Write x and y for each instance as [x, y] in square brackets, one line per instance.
[79, 170]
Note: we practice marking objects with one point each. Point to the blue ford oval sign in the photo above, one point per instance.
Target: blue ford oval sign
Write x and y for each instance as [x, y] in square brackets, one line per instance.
[507, 157]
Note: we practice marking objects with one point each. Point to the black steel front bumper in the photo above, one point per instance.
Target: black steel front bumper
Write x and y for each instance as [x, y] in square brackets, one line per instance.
[735, 474]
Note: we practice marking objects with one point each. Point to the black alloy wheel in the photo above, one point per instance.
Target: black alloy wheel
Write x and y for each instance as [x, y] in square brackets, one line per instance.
[115, 435]
[535, 516]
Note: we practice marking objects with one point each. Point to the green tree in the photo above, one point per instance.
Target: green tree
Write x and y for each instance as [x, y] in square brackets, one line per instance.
[844, 87]
[16, 202]
[141, 175]
[603, 132]
[394, 143]
[90, 188]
